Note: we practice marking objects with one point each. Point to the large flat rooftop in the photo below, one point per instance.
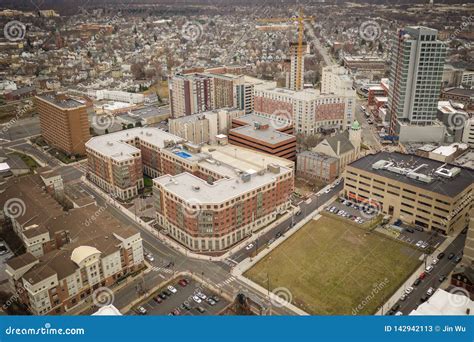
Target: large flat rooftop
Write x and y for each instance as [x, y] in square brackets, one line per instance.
[113, 145]
[62, 102]
[450, 187]
[191, 188]
[269, 136]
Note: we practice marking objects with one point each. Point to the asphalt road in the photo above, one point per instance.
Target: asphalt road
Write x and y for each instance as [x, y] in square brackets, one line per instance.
[368, 135]
[258, 242]
[443, 267]
[20, 129]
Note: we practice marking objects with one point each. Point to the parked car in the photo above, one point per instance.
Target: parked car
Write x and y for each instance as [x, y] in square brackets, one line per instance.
[172, 289]
[3, 249]
[197, 299]
[435, 261]
[429, 268]
[201, 309]
[167, 293]
[442, 278]
[410, 230]
[141, 310]
[185, 306]
[403, 297]
[183, 282]
[422, 275]
[158, 299]
[419, 243]
[440, 256]
[249, 246]
[458, 259]
[409, 290]
[399, 313]
[162, 295]
[210, 301]
[201, 295]
[450, 256]
[430, 291]
[216, 299]
[149, 257]
[417, 282]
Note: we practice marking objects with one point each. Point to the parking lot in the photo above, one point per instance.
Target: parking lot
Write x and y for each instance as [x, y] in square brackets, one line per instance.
[183, 302]
[403, 232]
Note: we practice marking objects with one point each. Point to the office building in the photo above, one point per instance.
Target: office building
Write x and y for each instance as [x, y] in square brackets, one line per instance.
[263, 137]
[416, 73]
[310, 111]
[336, 80]
[64, 123]
[423, 192]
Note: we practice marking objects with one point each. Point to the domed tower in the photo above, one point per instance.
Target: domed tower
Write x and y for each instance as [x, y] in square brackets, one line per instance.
[355, 136]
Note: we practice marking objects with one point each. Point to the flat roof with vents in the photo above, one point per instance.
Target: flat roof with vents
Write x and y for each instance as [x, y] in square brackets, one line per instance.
[446, 179]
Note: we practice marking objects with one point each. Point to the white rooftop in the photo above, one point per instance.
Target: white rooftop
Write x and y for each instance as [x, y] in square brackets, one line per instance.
[443, 303]
[450, 149]
[112, 145]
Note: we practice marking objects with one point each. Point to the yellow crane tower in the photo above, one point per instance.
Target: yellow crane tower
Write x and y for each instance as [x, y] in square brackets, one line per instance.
[299, 59]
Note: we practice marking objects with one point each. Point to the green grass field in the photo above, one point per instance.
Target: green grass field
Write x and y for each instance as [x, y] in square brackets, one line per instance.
[332, 268]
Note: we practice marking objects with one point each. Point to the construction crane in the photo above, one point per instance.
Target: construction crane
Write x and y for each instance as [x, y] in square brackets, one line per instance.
[300, 19]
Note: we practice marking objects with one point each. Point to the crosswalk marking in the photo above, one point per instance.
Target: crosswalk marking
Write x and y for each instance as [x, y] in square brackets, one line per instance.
[161, 269]
[226, 282]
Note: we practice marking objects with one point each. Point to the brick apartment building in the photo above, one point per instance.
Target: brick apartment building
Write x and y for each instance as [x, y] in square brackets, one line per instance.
[68, 254]
[64, 123]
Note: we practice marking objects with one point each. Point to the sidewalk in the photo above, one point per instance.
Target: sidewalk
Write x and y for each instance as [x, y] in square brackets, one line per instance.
[170, 242]
[401, 290]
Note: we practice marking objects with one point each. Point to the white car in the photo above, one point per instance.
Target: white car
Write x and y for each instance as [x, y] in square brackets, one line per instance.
[172, 289]
[149, 257]
[409, 290]
[249, 247]
[399, 313]
[430, 291]
[403, 297]
[419, 243]
[435, 261]
[201, 295]
[197, 299]
[429, 268]
[327, 191]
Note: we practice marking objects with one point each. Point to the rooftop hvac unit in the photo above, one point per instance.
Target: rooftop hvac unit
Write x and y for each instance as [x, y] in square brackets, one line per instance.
[420, 177]
[273, 168]
[448, 173]
[245, 177]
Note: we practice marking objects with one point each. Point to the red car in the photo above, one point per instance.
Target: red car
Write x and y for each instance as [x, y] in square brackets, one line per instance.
[158, 299]
[422, 275]
[183, 282]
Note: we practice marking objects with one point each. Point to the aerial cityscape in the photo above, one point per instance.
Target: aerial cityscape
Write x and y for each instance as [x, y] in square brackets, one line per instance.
[237, 158]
